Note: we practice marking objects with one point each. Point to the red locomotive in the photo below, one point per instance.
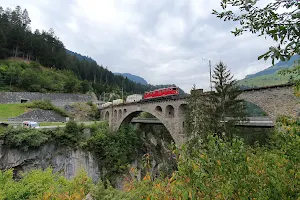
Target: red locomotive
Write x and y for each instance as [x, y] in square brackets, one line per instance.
[162, 93]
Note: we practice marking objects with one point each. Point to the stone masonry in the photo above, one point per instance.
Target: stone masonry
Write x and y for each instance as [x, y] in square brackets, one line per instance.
[58, 99]
[275, 101]
[169, 112]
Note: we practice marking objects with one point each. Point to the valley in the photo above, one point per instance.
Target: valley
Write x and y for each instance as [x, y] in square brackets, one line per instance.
[70, 128]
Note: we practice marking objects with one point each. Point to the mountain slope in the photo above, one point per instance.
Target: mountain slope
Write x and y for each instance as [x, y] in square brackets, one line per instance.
[270, 75]
[278, 66]
[18, 41]
[79, 56]
[133, 78]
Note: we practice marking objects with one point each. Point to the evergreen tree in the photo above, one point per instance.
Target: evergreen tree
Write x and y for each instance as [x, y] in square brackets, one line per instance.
[25, 18]
[199, 116]
[44, 47]
[228, 110]
[214, 112]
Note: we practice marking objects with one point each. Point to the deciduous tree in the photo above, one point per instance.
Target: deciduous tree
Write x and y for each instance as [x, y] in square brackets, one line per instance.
[279, 19]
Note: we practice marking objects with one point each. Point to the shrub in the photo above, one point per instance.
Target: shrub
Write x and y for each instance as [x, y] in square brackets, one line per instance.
[26, 138]
[71, 135]
[114, 150]
[72, 128]
[220, 169]
[94, 112]
[34, 65]
[2, 131]
[38, 184]
[106, 192]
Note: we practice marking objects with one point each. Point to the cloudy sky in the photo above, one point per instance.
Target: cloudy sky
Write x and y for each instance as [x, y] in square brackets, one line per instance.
[163, 41]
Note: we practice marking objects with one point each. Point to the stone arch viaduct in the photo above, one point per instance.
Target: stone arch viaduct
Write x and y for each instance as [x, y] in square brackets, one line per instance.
[275, 100]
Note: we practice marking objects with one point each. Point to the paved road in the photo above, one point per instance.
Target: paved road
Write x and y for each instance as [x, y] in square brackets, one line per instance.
[58, 126]
[16, 124]
[253, 121]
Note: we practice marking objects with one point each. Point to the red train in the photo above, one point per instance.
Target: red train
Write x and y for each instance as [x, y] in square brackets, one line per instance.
[162, 93]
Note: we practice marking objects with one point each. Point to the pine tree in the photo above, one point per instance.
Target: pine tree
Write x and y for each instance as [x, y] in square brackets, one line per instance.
[25, 18]
[228, 109]
[199, 116]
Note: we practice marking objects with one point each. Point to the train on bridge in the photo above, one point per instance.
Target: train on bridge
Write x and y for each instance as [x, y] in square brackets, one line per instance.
[158, 94]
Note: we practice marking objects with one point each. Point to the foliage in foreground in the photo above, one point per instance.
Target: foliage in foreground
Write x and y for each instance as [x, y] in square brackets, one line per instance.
[224, 170]
[114, 150]
[215, 169]
[25, 139]
[38, 184]
[277, 19]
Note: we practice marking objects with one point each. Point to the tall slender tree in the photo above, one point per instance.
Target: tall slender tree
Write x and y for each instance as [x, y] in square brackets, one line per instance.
[228, 109]
[199, 116]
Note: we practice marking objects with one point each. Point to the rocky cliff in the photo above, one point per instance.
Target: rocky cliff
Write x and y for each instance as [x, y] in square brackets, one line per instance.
[68, 161]
[64, 160]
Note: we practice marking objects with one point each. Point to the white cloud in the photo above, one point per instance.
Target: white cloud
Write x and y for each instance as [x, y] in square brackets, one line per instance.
[162, 41]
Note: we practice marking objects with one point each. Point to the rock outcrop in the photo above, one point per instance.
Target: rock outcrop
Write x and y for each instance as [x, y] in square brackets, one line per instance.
[65, 160]
[40, 115]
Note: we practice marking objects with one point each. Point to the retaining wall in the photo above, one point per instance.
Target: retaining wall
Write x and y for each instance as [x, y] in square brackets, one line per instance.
[58, 99]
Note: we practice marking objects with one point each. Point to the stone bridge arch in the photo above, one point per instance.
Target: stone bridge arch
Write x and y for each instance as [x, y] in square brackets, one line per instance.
[128, 117]
[273, 100]
[169, 113]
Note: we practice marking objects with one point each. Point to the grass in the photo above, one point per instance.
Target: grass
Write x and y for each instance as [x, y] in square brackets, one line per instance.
[52, 123]
[266, 80]
[12, 110]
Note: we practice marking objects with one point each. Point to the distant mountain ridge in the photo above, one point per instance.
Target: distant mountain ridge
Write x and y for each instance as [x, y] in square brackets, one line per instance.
[270, 76]
[133, 78]
[278, 66]
[79, 56]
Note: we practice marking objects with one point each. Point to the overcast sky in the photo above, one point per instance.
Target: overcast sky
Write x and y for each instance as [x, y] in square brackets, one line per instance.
[163, 41]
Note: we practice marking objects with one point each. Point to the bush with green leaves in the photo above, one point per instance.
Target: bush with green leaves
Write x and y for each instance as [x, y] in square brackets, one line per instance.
[219, 169]
[2, 131]
[114, 150]
[25, 138]
[16, 75]
[94, 113]
[38, 184]
[105, 191]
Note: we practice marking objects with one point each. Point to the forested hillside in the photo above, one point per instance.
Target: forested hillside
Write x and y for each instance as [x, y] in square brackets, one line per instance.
[134, 78]
[19, 41]
[17, 75]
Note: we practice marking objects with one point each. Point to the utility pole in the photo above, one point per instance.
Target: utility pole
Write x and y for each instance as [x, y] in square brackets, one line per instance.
[210, 75]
